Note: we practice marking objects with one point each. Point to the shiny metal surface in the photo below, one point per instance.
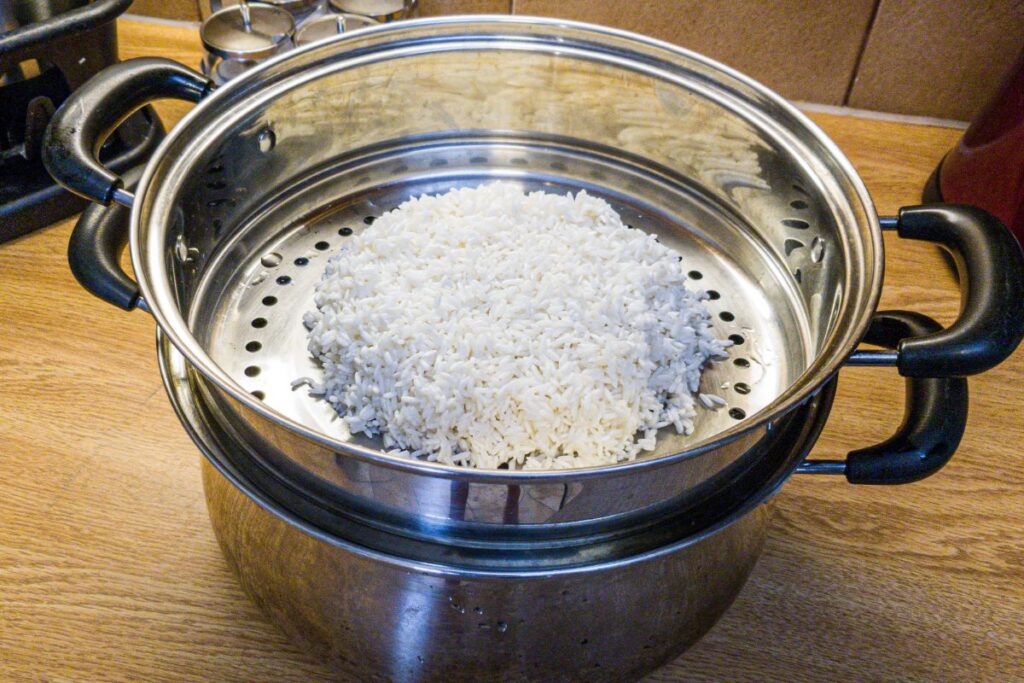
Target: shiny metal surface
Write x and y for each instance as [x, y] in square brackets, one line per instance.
[822, 467]
[329, 26]
[381, 621]
[749, 191]
[123, 197]
[378, 10]
[515, 507]
[378, 620]
[888, 222]
[247, 31]
[873, 358]
[240, 457]
[380, 610]
[298, 8]
[269, 286]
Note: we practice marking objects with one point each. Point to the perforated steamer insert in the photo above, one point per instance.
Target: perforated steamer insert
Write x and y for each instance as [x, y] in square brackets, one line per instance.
[253, 318]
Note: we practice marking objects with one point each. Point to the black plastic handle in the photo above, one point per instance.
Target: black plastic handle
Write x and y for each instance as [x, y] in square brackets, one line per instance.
[94, 251]
[93, 111]
[991, 267]
[934, 418]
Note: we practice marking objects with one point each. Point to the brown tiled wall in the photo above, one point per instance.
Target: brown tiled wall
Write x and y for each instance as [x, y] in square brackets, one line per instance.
[805, 49]
[928, 57]
[936, 57]
[429, 8]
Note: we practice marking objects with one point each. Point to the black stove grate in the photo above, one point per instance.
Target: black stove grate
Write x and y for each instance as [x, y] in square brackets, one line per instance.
[50, 48]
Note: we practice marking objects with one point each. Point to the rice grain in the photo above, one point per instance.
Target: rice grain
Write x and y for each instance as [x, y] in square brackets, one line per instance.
[489, 327]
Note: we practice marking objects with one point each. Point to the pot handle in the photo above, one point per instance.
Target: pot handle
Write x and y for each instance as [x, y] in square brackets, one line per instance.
[94, 251]
[991, 269]
[93, 111]
[934, 419]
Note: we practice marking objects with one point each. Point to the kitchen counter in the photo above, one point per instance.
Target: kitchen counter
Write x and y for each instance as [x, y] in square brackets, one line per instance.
[109, 569]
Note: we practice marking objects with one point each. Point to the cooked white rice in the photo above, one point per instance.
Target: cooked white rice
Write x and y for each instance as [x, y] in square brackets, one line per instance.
[487, 326]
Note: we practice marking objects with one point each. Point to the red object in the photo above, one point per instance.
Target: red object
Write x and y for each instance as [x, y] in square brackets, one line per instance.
[986, 168]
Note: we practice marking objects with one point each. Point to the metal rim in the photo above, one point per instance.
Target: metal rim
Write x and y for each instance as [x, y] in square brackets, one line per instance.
[173, 372]
[171, 322]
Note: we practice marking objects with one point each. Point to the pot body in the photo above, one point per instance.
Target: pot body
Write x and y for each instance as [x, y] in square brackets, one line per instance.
[383, 605]
[381, 619]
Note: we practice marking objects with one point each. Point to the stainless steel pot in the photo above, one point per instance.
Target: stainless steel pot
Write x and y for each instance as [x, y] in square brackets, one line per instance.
[380, 607]
[238, 208]
[403, 569]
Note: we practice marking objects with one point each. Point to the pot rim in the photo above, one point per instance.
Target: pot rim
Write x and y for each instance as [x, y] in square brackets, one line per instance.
[180, 393]
[162, 304]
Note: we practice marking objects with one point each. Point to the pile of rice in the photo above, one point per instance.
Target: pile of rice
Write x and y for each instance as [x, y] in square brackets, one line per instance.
[488, 327]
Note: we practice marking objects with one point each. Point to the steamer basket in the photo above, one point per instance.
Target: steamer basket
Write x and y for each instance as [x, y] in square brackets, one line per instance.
[236, 214]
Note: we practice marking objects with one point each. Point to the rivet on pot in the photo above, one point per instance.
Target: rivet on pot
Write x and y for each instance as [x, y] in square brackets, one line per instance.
[181, 249]
[817, 249]
[266, 140]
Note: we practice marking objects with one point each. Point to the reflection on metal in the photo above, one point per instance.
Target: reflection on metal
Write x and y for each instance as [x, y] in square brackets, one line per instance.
[872, 358]
[717, 168]
[822, 467]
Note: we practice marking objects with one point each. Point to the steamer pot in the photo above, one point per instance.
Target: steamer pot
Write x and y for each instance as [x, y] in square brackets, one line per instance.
[235, 213]
[384, 606]
[380, 608]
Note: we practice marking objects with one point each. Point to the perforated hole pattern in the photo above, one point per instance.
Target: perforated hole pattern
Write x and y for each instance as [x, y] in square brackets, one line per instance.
[262, 308]
[273, 260]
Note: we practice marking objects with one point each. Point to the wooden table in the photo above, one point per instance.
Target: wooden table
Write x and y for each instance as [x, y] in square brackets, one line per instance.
[109, 569]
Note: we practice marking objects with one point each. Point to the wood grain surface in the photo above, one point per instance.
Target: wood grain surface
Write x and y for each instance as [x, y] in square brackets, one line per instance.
[109, 570]
[181, 10]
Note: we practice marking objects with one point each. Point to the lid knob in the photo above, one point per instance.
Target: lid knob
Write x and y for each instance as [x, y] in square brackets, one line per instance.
[248, 31]
[330, 26]
[379, 10]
